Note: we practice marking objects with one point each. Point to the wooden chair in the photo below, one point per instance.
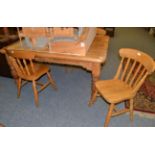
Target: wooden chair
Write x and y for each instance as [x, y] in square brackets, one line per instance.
[132, 71]
[27, 70]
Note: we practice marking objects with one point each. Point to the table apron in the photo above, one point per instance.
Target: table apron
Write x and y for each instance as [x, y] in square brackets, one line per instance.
[84, 64]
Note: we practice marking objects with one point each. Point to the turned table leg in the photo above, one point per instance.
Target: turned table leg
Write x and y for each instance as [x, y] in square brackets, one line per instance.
[96, 70]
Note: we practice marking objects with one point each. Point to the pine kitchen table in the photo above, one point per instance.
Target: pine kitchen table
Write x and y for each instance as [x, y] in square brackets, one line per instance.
[92, 61]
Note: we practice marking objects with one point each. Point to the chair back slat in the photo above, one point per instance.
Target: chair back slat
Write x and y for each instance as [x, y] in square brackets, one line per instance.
[130, 72]
[124, 71]
[26, 66]
[19, 65]
[32, 66]
[142, 73]
[135, 74]
[119, 69]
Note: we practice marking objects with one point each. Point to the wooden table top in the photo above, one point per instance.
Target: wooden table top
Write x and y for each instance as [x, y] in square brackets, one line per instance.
[96, 53]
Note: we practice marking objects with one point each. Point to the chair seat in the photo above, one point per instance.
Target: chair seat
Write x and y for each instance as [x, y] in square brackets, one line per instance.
[40, 69]
[114, 91]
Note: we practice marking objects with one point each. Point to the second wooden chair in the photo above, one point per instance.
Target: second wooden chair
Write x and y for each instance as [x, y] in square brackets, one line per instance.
[135, 66]
[28, 70]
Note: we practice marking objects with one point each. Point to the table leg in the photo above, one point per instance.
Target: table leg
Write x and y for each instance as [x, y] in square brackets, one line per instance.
[13, 72]
[96, 70]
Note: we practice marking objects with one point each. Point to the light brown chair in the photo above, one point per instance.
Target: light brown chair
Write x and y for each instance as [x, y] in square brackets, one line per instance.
[132, 71]
[28, 70]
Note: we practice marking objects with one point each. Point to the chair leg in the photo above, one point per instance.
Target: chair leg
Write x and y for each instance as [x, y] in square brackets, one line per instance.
[131, 109]
[53, 84]
[19, 86]
[109, 114]
[35, 93]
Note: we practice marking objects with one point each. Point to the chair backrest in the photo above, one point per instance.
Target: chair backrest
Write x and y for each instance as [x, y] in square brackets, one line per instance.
[22, 62]
[32, 33]
[134, 67]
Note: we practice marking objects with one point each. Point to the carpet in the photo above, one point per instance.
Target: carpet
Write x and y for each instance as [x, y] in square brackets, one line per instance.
[145, 99]
[144, 103]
